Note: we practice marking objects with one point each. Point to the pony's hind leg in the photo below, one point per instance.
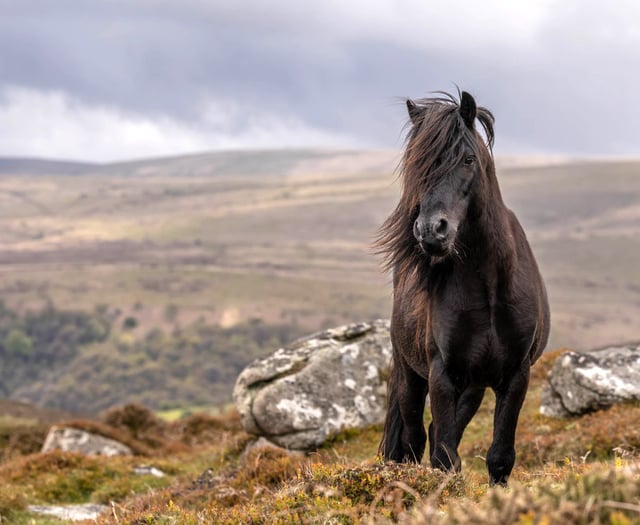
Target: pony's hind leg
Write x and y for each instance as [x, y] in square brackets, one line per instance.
[404, 437]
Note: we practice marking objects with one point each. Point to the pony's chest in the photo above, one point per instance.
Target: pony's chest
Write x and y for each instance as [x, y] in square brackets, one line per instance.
[476, 334]
[469, 344]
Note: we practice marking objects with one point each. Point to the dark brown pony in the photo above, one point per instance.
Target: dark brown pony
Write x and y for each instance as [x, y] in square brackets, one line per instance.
[470, 309]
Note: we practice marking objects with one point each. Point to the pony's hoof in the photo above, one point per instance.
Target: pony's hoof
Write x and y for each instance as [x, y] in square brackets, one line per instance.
[498, 482]
[446, 460]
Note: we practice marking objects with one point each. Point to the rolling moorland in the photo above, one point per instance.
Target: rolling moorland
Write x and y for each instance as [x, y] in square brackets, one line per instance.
[156, 281]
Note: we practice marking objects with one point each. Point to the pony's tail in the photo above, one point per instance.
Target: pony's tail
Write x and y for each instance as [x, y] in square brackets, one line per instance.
[390, 448]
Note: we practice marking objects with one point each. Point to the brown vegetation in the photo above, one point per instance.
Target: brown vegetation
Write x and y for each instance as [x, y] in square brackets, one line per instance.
[579, 470]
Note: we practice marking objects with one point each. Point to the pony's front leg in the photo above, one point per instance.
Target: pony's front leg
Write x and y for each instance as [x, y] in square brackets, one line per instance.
[509, 400]
[442, 431]
[466, 407]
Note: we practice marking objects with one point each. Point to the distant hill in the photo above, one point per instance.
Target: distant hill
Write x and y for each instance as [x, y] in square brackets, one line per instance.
[184, 250]
[244, 163]
[29, 166]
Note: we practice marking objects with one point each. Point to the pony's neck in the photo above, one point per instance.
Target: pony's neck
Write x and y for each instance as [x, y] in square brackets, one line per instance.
[488, 237]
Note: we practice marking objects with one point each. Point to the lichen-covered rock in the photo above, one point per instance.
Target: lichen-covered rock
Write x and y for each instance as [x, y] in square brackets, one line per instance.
[551, 403]
[74, 440]
[584, 382]
[322, 384]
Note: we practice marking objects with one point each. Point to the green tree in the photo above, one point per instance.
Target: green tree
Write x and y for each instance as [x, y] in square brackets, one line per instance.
[18, 343]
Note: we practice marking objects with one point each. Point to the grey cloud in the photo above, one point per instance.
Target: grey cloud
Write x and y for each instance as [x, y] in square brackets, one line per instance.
[562, 92]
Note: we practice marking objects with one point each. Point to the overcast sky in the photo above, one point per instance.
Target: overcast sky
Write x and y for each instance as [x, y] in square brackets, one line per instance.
[107, 80]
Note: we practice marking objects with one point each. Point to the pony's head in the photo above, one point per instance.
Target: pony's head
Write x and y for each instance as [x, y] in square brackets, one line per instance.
[445, 168]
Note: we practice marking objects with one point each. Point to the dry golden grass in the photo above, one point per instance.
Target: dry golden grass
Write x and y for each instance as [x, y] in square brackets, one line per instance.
[579, 470]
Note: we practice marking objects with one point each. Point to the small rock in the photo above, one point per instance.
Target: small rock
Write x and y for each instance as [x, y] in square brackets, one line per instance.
[583, 382]
[70, 512]
[206, 480]
[74, 440]
[145, 470]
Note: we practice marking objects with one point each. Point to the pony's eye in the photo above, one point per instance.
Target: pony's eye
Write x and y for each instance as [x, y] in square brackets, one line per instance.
[469, 160]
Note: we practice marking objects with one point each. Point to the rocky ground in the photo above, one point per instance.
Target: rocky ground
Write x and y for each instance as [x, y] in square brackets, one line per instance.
[581, 469]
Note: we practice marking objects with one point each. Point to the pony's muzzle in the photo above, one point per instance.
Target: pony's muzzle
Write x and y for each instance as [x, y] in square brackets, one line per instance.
[433, 234]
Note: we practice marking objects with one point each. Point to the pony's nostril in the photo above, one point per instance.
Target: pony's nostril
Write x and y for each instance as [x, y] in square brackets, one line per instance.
[441, 227]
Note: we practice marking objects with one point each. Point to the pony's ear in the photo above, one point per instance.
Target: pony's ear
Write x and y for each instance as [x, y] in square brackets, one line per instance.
[467, 109]
[414, 111]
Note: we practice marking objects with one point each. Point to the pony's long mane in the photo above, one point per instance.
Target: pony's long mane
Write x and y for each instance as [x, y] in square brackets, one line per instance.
[434, 146]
